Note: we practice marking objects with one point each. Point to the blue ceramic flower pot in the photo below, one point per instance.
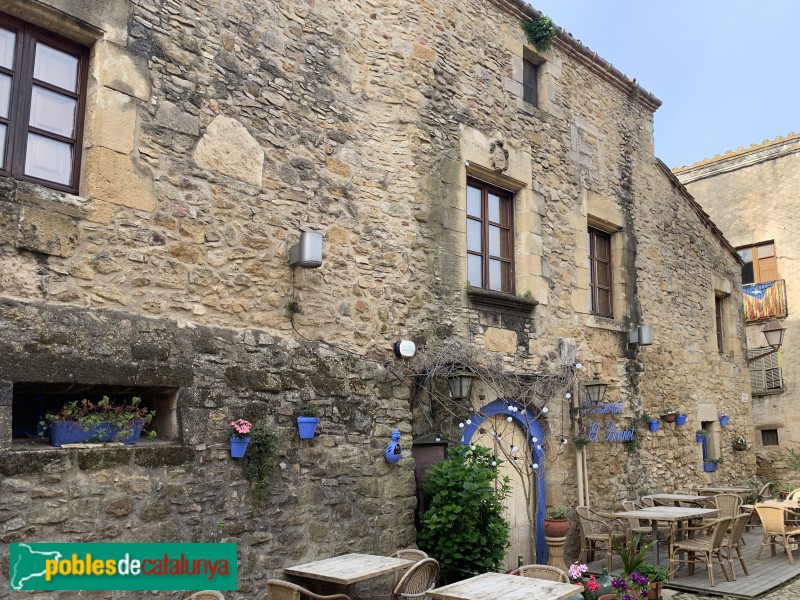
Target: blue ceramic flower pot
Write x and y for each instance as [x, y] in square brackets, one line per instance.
[700, 437]
[307, 427]
[72, 432]
[709, 467]
[723, 420]
[680, 420]
[238, 446]
[654, 424]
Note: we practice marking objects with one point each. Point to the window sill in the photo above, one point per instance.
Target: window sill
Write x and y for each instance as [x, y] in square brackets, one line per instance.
[28, 457]
[768, 392]
[498, 301]
[607, 323]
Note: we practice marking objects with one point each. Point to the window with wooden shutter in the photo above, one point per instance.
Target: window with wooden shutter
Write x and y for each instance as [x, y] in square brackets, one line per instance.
[760, 263]
[530, 73]
[769, 437]
[599, 272]
[765, 373]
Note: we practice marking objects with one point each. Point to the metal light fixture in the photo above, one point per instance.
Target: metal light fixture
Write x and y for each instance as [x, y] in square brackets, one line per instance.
[460, 384]
[773, 331]
[595, 388]
[308, 252]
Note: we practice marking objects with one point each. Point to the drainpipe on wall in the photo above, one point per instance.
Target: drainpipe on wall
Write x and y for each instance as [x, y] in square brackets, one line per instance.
[580, 457]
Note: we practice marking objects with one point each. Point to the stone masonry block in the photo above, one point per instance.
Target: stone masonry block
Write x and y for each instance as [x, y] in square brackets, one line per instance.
[111, 122]
[500, 340]
[46, 232]
[228, 148]
[113, 177]
[118, 69]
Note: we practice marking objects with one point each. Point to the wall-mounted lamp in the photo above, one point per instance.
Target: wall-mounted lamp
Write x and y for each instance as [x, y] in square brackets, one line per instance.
[308, 252]
[641, 335]
[595, 388]
[460, 384]
[773, 331]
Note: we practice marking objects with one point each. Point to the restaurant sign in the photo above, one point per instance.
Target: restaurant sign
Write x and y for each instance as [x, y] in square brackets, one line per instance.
[612, 431]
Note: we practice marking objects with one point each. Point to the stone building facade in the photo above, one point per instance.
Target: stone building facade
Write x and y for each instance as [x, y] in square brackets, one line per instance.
[752, 194]
[214, 134]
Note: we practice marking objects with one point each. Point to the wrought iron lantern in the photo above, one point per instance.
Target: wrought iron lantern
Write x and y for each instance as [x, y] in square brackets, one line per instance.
[595, 388]
[460, 384]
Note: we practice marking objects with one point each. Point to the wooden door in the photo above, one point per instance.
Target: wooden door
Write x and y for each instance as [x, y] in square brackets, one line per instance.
[511, 436]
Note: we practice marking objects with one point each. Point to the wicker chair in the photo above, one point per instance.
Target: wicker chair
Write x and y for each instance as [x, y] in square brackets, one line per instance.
[420, 579]
[728, 505]
[408, 554]
[206, 595]
[773, 520]
[644, 527]
[597, 528]
[647, 502]
[700, 548]
[284, 590]
[765, 493]
[733, 542]
[542, 572]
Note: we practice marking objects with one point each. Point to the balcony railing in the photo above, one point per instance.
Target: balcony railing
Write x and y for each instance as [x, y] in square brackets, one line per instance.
[764, 300]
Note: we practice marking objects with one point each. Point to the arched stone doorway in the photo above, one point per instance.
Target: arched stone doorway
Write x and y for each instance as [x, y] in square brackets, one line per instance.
[516, 428]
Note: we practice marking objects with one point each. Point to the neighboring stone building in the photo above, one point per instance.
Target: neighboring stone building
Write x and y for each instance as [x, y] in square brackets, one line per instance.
[470, 189]
[754, 194]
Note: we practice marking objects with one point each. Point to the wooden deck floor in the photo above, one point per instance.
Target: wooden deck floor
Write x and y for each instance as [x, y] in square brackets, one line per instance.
[766, 574]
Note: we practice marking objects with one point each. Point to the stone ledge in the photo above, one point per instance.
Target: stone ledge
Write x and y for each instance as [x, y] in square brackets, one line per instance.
[31, 461]
[485, 299]
[605, 323]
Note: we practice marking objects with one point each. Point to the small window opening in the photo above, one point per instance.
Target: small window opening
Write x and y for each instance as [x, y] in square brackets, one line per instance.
[32, 401]
[769, 437]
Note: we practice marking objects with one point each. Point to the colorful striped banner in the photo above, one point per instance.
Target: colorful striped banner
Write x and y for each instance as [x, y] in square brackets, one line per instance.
[762, 300]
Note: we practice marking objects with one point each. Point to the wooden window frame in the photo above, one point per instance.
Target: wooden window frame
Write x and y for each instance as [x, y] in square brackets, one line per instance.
[771, 434]
[760, 263]
[486, 188]
[530, 82]
[719, 322]
[595, 264]
[766, 369]
[22, 82]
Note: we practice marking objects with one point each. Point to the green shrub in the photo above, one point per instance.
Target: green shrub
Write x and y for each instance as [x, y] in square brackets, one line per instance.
[540, 32]
[463, 527]
[261, 453]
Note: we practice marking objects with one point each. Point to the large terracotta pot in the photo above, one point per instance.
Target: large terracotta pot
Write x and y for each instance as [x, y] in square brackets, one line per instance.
[607, 597]
[655, 590]
[556, 527]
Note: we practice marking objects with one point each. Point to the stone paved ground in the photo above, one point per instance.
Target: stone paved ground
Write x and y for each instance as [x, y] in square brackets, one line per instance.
[790, 591]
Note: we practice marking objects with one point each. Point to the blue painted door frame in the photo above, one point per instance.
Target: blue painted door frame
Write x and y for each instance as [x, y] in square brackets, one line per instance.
[532, 429]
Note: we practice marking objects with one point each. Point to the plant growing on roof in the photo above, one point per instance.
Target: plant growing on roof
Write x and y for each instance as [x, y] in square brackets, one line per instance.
[463, 527]
[540, 32]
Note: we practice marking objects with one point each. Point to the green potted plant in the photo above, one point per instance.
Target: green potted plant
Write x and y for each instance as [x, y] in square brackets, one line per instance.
[84, 421]
[658, 576]
[556, 523]
[700, 435]
[739, 442]
[239, 434]
[308, 421]
[710, 464]
[669, 414]
[632, 583]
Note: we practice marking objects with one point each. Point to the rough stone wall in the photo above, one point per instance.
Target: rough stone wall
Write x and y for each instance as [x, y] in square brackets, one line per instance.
[189, 489]
[752, 194]
[217, 132]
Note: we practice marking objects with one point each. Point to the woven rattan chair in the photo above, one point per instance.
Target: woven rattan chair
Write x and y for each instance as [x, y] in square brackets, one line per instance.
[765, 493]
[420, 579]
[542, 572]
[644, 527]
[207, 595]
[700, 548]
[284, 590]
[728, 505]
[733, 542]
[598, 529]
[647, 502]
[408, 554]
[773, 520]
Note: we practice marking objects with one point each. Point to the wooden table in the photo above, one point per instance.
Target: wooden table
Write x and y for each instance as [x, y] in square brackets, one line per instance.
[348, 569]
[497, 586]
[676, 499]
[713, 491]
[669, 514]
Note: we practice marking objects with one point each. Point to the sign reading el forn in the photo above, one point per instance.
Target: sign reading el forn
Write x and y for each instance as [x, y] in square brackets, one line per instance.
[612, 433]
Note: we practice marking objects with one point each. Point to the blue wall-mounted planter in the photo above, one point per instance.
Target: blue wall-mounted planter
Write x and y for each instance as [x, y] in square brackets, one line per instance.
[700, 437]
[654, 424]
[307, 427]
[680, 420]
[723, 420]
[709, 467]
